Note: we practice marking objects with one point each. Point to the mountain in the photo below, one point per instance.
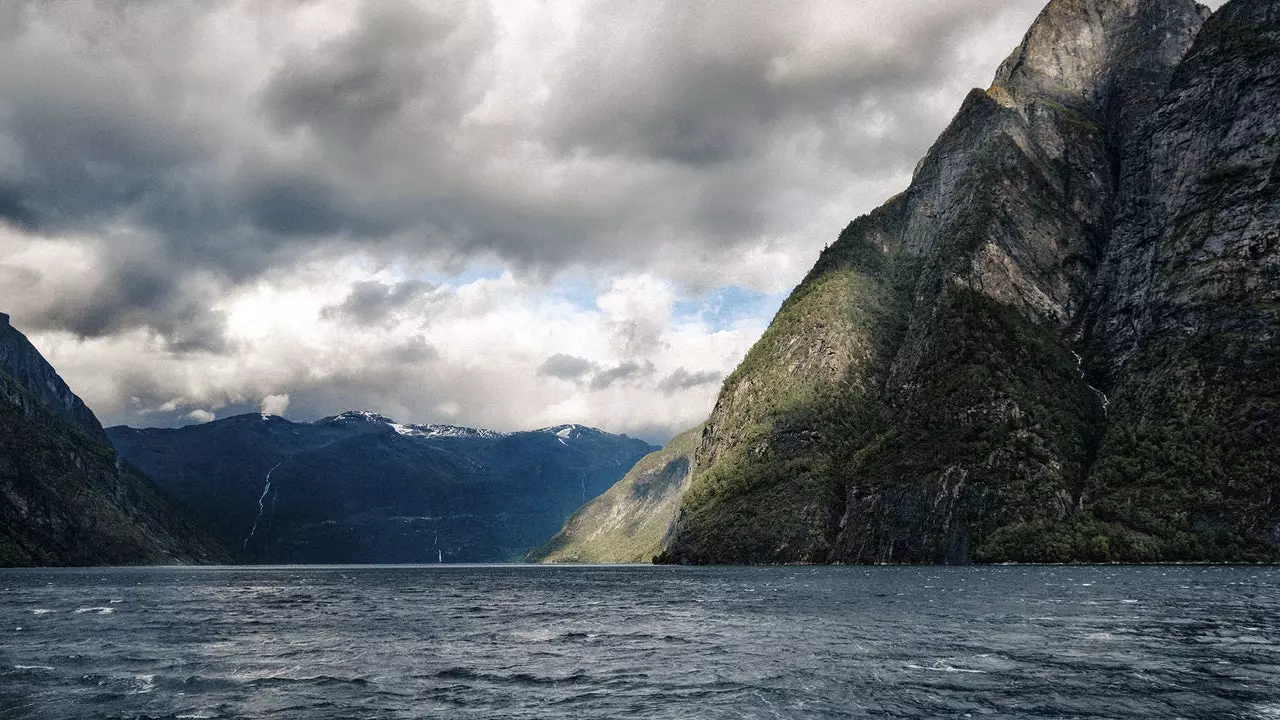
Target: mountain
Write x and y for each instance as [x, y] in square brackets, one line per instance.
[630, 522]
[1058, 344]
[361, 488]
[66, 497]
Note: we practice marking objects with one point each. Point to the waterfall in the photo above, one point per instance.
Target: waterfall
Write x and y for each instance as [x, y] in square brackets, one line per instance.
[1102, 397]
[261, 503]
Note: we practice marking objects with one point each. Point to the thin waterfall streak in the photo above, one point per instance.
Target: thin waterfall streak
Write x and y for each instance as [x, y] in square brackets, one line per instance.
[1102, 397]
[261, 505]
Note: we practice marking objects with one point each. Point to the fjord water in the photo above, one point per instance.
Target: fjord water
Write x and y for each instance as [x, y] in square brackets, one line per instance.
[640, 642]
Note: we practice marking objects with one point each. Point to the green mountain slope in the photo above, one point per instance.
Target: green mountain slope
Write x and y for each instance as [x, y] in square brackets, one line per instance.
[66, 498]
[940, 387]
[630, 521]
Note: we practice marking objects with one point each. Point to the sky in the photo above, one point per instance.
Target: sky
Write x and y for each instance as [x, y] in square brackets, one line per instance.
[497, 213]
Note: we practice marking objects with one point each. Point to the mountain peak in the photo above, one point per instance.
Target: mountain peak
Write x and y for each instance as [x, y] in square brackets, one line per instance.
[568, 431]
[1100, 55]
[358, 416]
[24, 363]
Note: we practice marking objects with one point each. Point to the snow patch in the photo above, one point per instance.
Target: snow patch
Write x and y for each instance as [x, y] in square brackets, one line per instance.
[429, 430]
[444, 431]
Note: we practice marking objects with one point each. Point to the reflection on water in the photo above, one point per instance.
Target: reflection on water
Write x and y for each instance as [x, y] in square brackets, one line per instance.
[640, 642]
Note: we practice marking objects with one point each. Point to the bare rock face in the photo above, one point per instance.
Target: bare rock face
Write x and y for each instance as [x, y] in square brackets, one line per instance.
[21, 361]
[1184, 334]
[977, 364]
[1112, 56]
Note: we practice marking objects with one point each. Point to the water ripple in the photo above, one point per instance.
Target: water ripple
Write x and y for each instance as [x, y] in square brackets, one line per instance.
[326, 643]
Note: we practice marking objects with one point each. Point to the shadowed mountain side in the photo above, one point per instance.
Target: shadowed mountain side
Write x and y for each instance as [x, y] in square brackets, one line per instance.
[361, 488]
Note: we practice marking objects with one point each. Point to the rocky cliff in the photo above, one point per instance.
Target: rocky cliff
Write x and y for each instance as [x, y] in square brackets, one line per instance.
[630, 522]
[361, 488]
[66, 498]
[20, 360]
[1057, 344]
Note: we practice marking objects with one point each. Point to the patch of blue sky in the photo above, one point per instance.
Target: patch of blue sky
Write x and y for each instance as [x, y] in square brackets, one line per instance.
[472, 273]
[725, 307]
[576, 290]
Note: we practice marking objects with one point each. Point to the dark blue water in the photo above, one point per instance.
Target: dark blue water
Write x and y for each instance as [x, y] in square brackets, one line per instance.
[645, 642]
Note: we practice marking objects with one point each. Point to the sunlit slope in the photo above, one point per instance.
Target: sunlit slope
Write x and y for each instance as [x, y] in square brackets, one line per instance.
[628, 523]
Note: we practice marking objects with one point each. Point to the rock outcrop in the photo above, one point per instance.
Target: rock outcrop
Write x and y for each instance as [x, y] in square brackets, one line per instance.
[1057, 344]
[20, 360]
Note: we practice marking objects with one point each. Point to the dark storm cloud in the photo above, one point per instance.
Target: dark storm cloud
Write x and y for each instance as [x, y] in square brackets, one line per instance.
[682, 379]
[13, 210]
[624, 372]
[119, 292]
[398, 54]
[194, 151]
[367, 138]
[566, 367]
[372, 301]
[591, 375]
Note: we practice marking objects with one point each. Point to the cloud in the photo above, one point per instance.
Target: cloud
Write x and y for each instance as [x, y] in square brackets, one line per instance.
[200, 416]
[229, 140]
[218, 202]
[371, 301]
[625, 372]
[486, 355]
[565, 367]
[275, 404]
[682, 379]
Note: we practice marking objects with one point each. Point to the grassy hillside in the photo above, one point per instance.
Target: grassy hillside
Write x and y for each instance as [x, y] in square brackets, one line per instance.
[629, 522]
[67, 499]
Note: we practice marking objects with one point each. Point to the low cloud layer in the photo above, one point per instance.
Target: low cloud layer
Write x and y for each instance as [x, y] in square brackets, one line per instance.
[485, 212]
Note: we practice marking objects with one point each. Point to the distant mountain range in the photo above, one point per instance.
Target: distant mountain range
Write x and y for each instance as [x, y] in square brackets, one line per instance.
[361, 488]
[66, 497]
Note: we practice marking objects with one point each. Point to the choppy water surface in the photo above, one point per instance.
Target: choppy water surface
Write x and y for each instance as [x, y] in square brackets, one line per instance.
[538, 642]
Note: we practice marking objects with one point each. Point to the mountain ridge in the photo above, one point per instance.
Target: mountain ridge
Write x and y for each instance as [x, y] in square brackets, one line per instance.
[361, 487]
[933, 390]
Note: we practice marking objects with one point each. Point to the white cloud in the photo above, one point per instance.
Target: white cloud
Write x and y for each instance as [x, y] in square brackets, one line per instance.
[469, 353]
[275, 404]
[221, 203]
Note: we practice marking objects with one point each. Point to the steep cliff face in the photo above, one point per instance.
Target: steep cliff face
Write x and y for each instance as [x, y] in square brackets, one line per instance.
[1184, 335]
[21, 361]
[66, 498]
[939, 388]
[631, 521]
